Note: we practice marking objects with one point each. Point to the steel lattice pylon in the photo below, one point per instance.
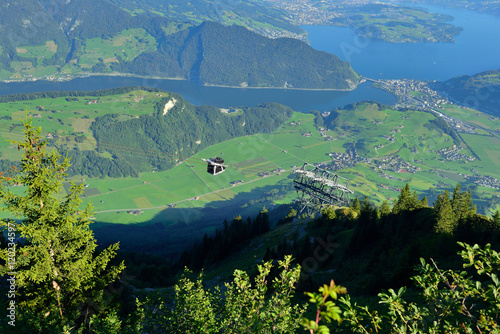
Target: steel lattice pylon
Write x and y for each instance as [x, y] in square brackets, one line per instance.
[317, 188]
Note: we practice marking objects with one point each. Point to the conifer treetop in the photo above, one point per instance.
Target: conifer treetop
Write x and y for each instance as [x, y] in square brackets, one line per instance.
[57, 271]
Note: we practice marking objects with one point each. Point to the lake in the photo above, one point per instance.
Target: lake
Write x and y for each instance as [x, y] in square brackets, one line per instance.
[476, 49]
[300, 100]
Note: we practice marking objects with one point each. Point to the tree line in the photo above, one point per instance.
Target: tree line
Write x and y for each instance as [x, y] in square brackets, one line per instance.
[161, 141]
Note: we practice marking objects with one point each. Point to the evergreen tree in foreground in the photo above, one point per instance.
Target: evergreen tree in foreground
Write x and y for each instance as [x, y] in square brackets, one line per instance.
[406, 201]
[60, 277]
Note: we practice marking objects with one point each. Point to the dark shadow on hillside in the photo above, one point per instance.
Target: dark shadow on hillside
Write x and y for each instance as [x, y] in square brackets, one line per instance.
[175, 229]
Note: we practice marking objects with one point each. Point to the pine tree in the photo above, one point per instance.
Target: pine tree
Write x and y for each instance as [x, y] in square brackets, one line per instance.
[496, 219]
[405, 201]
[384, 209]
[461, 203]
[425, 202]
[262, 221]
[356, 206]
[415, 202]
[59, 279]
[329, 213]
[445, 216]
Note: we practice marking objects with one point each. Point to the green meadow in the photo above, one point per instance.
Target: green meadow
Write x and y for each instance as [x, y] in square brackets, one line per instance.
[188, 194]
[128, 45]
[487, 148]
[478, 118]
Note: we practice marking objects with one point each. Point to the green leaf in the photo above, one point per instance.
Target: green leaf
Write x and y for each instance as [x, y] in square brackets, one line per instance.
[495, 279]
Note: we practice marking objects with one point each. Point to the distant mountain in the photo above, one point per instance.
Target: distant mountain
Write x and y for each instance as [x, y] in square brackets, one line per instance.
[480, 91]
[234, 56]
[256, 15]
[92, 18]
[26, 22]
[63, 39]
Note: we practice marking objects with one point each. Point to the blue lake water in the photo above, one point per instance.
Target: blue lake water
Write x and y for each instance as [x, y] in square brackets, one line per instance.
[476, 49]
[300, 100]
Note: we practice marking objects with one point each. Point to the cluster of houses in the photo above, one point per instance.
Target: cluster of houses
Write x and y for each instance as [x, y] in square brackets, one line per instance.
[389, 176]
[484, 181]
[396, 164]
[276, 171]
[452, 154]
[345, 160]
[322, 132]
[51, 136]
[392, 139]
[403, 87]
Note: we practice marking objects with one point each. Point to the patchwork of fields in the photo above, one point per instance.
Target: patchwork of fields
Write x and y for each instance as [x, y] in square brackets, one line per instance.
[101, 52]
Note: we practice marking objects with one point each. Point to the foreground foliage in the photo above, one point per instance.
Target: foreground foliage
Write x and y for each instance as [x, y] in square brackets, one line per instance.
[60, 277]
[237, 307]
[449, 301]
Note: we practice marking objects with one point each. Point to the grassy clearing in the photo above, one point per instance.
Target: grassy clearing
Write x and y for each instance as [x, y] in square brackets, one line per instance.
[127, 45]
[47, 50]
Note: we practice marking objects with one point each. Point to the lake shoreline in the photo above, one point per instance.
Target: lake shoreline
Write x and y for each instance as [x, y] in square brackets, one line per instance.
[129, 75]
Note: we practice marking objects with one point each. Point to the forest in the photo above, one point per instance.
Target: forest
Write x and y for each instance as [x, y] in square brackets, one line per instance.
[70, 94]
[234, 56]
[161, 141]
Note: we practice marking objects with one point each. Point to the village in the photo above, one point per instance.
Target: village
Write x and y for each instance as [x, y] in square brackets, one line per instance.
[452, 154]
[416, 94]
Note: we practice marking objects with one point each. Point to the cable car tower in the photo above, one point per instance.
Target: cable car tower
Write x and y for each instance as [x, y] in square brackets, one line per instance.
[317, 188]
[215, 165]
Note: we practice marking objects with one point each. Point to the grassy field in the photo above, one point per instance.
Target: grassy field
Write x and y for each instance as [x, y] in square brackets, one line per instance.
[481, 119]
[186, 200]
[127, 45]
[487, 148]
[70, 116]
[47, 50]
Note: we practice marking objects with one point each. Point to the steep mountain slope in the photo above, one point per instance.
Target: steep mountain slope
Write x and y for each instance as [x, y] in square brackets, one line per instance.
[480, 91]
[24, 22]
[77, 37]
[255, 15]
[234, 56]
[92, 18]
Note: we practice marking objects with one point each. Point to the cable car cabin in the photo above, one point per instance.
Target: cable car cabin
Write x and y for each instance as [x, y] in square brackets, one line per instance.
[215, 165]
